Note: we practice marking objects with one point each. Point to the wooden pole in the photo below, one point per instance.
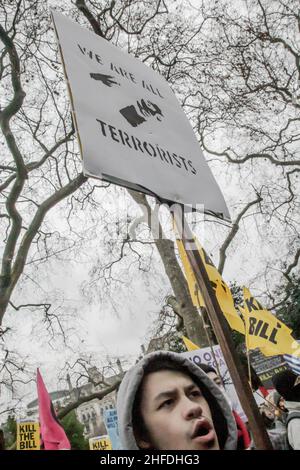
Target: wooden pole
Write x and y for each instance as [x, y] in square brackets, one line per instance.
[248, 359]
[222, 332]
[209, 339]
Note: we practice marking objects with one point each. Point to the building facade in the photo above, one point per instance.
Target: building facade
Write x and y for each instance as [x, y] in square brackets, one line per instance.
[90, 414]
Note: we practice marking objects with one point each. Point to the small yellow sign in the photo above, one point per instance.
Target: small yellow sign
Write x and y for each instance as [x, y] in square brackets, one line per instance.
[100, 443]
[28, 435]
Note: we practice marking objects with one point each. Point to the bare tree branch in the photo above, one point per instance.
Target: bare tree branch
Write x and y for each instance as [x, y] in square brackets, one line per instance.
[251, 156]
[9, 279]
[81, 5]
[233, 232]
[98, 395]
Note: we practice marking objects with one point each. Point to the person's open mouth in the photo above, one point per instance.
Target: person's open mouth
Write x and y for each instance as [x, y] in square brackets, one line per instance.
[203, 432]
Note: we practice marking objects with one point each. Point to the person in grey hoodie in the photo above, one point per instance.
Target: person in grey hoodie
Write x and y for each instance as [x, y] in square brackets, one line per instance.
[287, 384]
[165, 402]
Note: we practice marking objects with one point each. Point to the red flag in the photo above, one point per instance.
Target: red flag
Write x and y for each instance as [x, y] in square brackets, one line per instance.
[52, 432]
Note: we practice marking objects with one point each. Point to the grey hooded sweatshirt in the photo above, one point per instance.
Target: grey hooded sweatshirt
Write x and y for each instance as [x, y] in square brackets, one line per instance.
[218, 404]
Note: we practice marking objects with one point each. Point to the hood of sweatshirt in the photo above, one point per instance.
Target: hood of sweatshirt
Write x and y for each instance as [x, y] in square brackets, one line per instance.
[292, 405]
[220, 409]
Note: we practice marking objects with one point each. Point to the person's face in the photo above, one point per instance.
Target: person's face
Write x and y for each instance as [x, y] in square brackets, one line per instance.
[269, 412]
[215, 378]
[175, 413]
[281, 404]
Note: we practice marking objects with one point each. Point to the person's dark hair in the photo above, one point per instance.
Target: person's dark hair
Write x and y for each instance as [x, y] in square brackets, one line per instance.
[284, 382]
[206, 368]
[269, 422]
[219, 421]
[255, 380]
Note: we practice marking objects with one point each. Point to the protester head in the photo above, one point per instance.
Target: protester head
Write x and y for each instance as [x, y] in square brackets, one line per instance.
[268, 415]
[274, 397]
[281, 404]
[165, 402]
[277, 401]
[244, 440]
[212, 374]
[287, 385]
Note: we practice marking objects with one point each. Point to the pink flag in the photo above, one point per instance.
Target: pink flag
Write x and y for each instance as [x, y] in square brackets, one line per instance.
[52, 432]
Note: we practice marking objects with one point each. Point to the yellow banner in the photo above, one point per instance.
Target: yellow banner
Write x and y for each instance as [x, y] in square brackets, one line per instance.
[223, 293]
[100, 443]
[190, 346]
[265, 331]
[28, 435]
[190, 277]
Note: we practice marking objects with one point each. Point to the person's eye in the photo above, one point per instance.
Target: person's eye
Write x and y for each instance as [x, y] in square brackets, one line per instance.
[196, 393]
[166, 404]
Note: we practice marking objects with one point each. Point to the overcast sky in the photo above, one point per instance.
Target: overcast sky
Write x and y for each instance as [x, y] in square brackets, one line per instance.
[117, 326]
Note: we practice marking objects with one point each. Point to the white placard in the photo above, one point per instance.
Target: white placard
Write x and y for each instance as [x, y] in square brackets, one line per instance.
[131, 127]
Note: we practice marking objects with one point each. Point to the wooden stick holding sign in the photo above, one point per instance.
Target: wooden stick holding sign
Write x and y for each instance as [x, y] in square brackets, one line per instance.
[221, 329]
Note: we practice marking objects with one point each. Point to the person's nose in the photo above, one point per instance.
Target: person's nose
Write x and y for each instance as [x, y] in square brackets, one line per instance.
[190, 409]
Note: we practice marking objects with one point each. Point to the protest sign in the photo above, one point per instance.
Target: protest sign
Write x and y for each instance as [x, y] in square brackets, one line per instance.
[111, 423]
[100, 443]
[267, 367]
[28, 435]
[131, 128]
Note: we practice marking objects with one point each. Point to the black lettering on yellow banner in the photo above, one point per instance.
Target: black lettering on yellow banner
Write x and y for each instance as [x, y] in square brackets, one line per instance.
[261, 329]
[26, 445]
[274, 333]
[253, 304]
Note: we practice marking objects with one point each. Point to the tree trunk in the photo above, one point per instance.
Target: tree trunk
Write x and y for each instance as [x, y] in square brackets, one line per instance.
[184, 306]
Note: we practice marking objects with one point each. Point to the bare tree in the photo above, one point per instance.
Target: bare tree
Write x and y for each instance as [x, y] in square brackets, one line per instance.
[38, 169]
[234, 68]
[181, 58]
[249, 104]
[104, 379]
[42, 169]
[13, 370]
